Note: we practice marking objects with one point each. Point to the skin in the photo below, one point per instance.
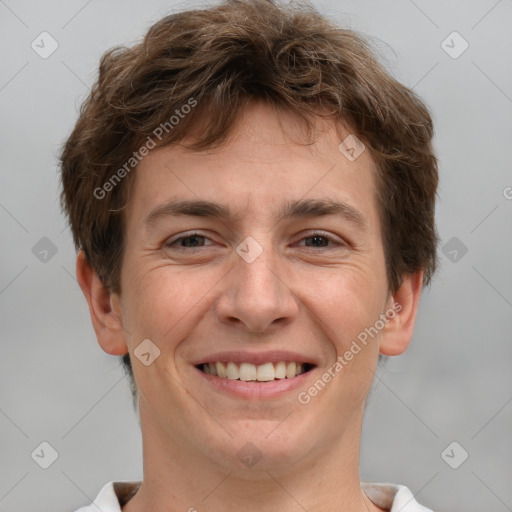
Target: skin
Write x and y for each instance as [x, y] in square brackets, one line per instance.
[294, 296]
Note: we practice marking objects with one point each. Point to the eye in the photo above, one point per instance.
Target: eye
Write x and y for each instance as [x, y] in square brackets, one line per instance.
[321, 240]
[315, 240]
[190, 241]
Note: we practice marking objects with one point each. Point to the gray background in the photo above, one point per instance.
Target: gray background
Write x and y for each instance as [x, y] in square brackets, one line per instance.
[454, 383]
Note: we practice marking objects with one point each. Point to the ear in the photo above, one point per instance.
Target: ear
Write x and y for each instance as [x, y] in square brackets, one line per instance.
[104, 308]
[398, 331]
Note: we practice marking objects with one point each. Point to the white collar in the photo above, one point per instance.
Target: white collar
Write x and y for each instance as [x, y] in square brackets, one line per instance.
[397, 498]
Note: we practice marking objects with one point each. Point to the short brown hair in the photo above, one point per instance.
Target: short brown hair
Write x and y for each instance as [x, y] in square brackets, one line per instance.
[222, 57]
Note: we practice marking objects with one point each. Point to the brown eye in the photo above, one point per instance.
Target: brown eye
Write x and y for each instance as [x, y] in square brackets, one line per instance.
[193, 240]
[317, 241]
[321, 241]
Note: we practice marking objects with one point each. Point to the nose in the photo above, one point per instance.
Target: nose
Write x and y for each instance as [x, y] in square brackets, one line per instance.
[255, 295]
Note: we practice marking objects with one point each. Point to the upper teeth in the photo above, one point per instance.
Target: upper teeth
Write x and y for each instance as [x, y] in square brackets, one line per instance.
[249, 371]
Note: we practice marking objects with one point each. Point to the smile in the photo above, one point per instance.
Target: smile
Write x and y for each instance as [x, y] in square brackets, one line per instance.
[250, 372]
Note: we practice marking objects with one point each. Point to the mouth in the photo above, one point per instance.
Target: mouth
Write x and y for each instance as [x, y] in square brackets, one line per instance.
[249, 372]
[250, 375]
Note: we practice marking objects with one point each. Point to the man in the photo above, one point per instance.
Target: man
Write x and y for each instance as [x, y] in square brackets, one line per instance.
[252, 197]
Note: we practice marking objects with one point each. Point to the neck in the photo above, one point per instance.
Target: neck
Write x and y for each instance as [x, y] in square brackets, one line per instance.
[179, 478]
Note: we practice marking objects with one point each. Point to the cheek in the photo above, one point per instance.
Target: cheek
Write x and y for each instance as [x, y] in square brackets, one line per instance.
[346, 309]
[164, 303]
[346, 301]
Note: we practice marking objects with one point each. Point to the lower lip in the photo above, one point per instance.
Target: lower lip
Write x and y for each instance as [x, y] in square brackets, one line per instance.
[255, 389]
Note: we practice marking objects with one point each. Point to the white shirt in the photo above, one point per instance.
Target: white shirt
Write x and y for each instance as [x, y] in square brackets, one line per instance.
[397, 498]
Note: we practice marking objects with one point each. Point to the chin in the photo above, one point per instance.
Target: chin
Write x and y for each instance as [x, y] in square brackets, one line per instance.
[263, 446]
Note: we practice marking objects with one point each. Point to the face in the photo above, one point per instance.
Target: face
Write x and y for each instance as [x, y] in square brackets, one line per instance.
[253, 257]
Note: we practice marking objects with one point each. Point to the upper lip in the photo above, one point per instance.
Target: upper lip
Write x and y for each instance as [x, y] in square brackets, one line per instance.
[256, 358]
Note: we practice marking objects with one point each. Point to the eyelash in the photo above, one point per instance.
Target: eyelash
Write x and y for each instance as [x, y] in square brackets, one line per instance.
[334, 242]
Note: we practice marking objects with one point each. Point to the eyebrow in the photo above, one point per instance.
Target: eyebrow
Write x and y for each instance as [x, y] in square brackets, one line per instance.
[301, 208]
[321, 207]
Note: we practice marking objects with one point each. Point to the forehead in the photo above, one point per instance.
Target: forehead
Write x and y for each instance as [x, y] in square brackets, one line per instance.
[267, 161]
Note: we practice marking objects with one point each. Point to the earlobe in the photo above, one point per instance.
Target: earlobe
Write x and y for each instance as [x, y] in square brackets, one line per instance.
[103, 307]
[397, 335]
